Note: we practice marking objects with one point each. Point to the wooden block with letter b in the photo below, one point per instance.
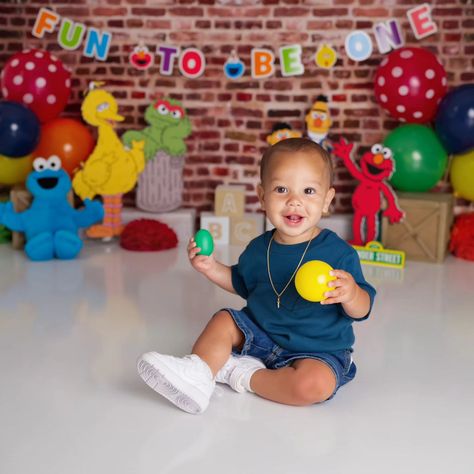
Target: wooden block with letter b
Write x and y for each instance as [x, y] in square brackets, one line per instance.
[218, 226]
[229, 200]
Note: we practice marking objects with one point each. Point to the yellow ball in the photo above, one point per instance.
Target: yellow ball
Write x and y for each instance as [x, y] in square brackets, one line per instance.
[312, 279]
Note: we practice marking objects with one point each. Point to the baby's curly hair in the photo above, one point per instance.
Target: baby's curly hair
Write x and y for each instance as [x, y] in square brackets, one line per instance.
[297, 145]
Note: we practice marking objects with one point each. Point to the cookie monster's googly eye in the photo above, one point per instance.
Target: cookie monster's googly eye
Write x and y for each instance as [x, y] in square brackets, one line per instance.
[103, 106]
[54, 163]
[376, 149]
[176, 114]
[387, 153]
[40, 164]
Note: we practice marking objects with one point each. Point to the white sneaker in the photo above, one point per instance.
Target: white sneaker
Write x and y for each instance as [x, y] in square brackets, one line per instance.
[237, 372]
[185, 381]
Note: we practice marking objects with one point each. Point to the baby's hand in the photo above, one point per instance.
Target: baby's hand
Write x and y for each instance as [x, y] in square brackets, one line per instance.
[345, 288]
[202, 263]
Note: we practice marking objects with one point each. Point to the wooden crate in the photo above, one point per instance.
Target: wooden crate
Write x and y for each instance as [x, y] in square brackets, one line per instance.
[424, 233]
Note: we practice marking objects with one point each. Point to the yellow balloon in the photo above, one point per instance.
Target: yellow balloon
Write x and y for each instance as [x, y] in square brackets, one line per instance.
[312, 279]
[14, 170]
[462, 175]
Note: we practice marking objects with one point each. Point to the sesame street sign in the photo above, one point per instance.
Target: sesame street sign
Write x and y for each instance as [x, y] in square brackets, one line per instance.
[374, 254]
[191, 61]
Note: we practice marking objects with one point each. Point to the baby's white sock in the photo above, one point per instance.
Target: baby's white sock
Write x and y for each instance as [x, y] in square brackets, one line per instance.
[245, 380]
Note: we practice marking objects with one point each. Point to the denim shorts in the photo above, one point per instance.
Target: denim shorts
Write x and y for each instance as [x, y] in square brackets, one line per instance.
[258, 344]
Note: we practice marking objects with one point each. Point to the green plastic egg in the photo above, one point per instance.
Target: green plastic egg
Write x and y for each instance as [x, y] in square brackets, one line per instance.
[204, 241]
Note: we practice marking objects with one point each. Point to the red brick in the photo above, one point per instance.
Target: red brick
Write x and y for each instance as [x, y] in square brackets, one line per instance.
[248, 25]
[289, 12]
[219, 171]
[334, 12]
[185, 11]
[253, 125]
[144, 11]
[243, 97]
[363, 25]
[320, 25]
[467, 76]
[223, 24]
[256, 12]
[202, 171]
[446, 11]
[115, 23]
[284, 113]
[71, 12]
[210, 146]
[203, 24]
[158, 24]
[452, 24]
[273, 24]
[241, 112]
[344, 24]
[278, 85]
[371, 12]
[107, 11]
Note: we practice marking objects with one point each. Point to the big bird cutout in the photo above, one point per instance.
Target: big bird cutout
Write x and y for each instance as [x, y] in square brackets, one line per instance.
[111, 170]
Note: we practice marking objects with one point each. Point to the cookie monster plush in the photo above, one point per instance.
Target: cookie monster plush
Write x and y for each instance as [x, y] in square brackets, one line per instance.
[51, 223]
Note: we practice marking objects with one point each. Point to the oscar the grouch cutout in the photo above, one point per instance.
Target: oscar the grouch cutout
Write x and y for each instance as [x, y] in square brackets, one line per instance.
[160, 186]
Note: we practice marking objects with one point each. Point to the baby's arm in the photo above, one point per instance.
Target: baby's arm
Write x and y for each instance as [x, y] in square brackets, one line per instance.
[354, 300]
[215, 271]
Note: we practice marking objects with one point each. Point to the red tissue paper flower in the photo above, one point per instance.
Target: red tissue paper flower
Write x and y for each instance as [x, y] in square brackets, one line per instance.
[462, 237]
[148, 235]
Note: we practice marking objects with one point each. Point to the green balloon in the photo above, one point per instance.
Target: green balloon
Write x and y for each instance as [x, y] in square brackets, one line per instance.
[204, 241]
[420, 159]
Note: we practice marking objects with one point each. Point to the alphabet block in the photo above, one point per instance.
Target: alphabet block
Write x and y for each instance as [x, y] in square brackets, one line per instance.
[244, 229]
[229, 200]
[218, 226]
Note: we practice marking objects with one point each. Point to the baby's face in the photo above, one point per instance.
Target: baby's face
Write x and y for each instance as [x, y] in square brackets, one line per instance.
[294, 193]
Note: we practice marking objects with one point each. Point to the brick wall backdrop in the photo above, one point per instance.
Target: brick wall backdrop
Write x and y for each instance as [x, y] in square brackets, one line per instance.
[231, 119]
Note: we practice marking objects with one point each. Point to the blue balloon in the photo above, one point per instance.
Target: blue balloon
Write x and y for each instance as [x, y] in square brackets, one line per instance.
[19, 130]
[455, 119]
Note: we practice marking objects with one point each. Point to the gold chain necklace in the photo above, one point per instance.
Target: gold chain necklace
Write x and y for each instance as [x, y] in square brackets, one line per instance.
[278, 295]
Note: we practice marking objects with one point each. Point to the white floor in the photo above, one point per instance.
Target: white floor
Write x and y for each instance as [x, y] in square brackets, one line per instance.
[71, 401]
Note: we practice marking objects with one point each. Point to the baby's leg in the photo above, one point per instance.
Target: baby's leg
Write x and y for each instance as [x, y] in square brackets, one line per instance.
[215, 344]
[306, 382]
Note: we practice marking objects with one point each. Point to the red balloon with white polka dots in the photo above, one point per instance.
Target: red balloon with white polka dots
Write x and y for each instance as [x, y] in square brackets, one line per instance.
[410, 83]
[39, 80]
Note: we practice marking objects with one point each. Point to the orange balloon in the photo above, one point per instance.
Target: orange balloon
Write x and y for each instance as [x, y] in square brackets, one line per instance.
[67, 138]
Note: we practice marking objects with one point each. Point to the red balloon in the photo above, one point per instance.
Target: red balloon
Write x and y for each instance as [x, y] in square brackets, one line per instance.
[68, 139]
[39, 80]
[409, 84]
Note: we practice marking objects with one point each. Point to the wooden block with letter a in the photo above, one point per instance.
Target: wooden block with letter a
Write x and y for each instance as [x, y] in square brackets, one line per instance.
[229, 200]
[424, 233]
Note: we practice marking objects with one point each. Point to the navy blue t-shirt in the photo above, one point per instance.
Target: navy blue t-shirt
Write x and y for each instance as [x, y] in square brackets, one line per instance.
[298, 325]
